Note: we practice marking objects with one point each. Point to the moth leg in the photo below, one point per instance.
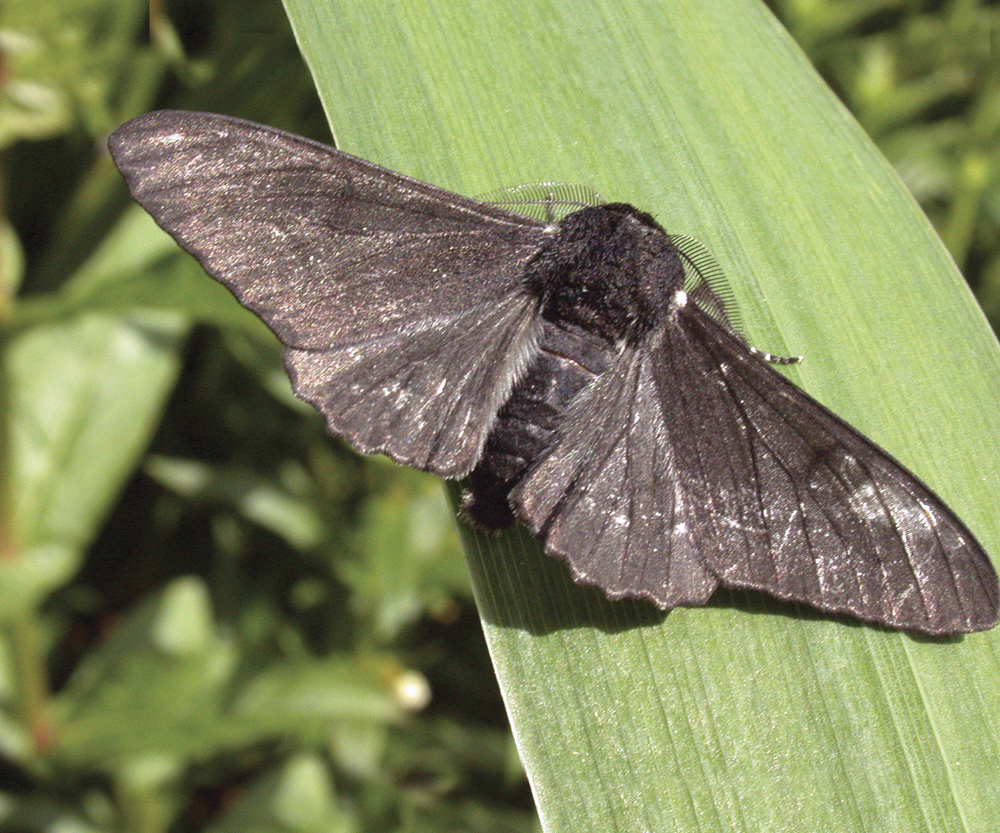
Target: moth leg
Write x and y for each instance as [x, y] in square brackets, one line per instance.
[773, 359]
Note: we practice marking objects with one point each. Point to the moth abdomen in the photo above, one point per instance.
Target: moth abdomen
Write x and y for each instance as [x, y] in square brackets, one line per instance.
[568, 360]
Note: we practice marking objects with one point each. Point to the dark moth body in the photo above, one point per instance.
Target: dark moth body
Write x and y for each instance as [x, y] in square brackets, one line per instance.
[605, 278]
[577, 373]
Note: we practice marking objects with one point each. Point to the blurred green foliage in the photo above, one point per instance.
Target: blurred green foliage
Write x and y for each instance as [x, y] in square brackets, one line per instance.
[923, 78]
[212, 616]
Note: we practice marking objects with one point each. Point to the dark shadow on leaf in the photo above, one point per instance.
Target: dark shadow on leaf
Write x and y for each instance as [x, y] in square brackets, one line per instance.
[521, 587]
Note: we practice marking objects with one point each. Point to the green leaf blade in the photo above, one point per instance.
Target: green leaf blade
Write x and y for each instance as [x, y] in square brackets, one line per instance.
[745, 714]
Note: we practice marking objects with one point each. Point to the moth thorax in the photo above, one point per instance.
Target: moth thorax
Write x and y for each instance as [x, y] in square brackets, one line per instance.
[610, 270]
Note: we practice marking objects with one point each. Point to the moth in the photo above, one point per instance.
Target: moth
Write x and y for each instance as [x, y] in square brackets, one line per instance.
[570, 370]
